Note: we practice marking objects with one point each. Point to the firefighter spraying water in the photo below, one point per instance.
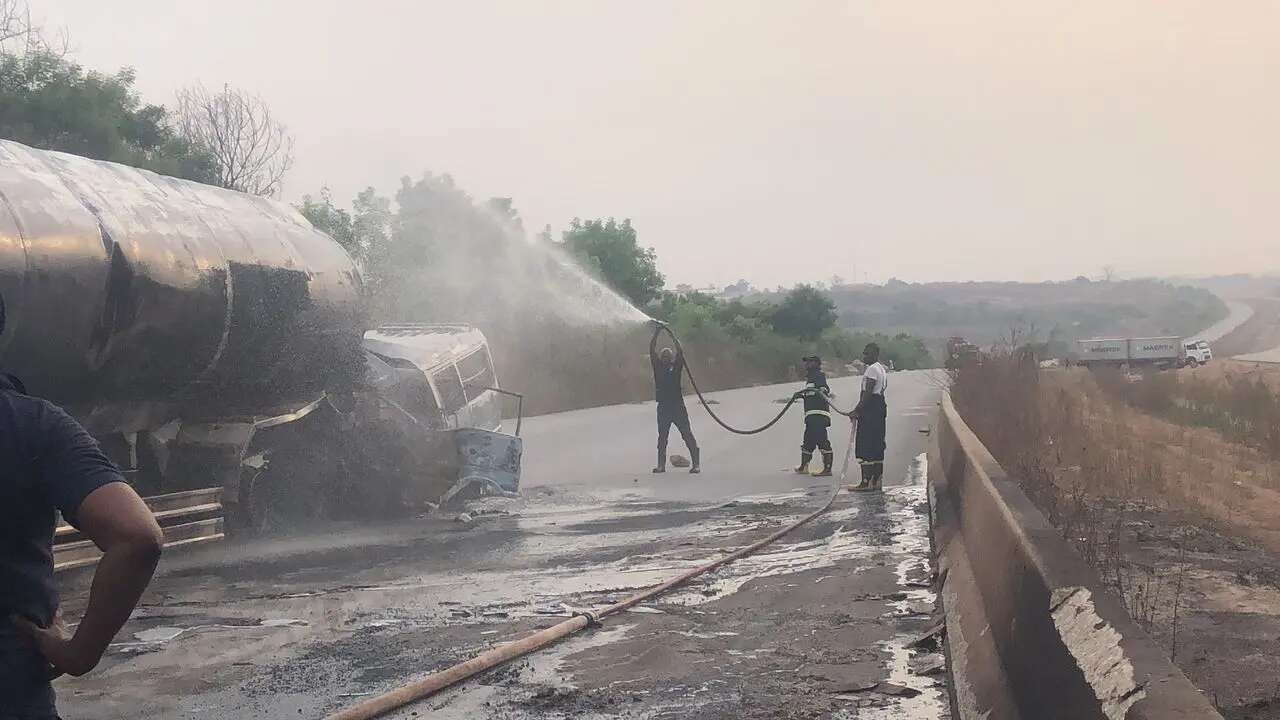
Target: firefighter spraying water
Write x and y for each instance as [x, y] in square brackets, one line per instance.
[668, 366]
[869, 415]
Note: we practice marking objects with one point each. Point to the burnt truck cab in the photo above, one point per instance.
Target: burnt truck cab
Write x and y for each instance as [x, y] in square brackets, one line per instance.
[437, 383]
[444, 373]
[423, 428]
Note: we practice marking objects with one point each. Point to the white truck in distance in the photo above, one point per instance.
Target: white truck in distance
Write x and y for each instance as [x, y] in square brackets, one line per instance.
[1162, 352]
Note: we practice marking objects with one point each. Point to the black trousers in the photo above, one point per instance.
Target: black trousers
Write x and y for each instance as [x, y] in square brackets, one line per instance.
[815, 434]
[869, 444]
[674, 414]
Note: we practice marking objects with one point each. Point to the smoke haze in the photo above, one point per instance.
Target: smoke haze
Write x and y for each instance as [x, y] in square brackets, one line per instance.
[776, 142]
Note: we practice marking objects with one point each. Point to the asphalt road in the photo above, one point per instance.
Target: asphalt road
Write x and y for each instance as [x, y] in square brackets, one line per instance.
[818, 626]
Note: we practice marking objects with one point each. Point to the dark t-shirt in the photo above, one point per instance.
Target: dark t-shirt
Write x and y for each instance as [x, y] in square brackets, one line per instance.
[47, 463]
[666, 381]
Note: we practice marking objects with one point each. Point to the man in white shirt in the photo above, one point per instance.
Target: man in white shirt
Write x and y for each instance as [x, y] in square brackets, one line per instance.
[871, 414]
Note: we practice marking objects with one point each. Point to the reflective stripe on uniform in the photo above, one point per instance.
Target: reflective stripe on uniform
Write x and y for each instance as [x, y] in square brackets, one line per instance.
[807, 413]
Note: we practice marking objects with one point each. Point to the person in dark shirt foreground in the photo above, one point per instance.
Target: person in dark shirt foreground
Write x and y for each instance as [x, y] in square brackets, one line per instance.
[49, 463]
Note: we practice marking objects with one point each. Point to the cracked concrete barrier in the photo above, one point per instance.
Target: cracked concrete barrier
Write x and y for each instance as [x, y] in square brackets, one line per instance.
[1033, 634]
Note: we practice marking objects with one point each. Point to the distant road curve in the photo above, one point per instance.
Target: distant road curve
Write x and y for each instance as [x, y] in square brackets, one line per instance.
[1258, 338]
[1239, 313]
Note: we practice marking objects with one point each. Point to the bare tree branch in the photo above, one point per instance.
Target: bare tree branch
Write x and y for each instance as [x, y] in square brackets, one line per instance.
[15, 20]
[19, 33]
[251, 149]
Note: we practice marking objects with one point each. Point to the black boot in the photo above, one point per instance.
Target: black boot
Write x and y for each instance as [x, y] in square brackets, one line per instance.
[695, 466]
[866, 480]
[803, 467]
[877, 480]
[828, 459]
[662, 462]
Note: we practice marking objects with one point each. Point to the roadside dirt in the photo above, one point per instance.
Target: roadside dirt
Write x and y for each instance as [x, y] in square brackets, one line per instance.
[1208, 598]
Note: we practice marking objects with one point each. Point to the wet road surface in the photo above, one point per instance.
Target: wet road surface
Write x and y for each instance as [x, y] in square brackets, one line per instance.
[817, 625]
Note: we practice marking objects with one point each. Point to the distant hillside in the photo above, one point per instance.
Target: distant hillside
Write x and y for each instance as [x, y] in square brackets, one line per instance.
[1236, 287]
[984, 312]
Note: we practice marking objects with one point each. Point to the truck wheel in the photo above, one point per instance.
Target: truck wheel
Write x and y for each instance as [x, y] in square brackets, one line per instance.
[1193, 363]
[292, 485]
[274, 507]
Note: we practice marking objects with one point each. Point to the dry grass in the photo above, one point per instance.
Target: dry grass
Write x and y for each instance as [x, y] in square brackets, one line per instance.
[1233, 370]
[1086, 457]
[1119, 452]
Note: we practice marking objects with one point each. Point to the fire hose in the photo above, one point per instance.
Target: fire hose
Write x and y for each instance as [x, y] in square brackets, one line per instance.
[433, 683]
[707, 406]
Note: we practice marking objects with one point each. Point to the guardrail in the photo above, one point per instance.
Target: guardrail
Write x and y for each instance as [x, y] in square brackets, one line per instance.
[187, 518]
[1032, 631]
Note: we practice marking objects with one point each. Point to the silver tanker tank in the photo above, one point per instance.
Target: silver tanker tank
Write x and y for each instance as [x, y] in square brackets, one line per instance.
[214, 343]
[133, 298]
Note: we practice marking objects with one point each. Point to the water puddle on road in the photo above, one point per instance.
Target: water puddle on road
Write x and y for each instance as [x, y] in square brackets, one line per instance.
[150, 638]
[923, 697]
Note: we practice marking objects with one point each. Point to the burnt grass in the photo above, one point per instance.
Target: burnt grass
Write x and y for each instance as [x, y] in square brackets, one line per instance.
[1199, 582]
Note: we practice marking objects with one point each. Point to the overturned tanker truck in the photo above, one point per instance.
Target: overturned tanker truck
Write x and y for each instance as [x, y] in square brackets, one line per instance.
[215, 344]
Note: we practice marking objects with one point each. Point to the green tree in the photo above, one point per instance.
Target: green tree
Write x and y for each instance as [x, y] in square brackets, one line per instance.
[364, 231]
[805, 312]
[52, 103]
[371, 218]
[504, 211]
[329, 219]
[609, 249]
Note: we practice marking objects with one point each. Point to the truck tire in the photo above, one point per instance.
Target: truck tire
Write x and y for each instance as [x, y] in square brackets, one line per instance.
[297, 482]
[281, 497]
[1193, 363]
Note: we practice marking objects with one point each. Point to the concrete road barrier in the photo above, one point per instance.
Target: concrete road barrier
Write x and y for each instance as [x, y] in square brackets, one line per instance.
[1033, 632]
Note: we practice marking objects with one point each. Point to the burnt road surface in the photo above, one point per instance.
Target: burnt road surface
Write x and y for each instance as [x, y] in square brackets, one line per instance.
[819, 625]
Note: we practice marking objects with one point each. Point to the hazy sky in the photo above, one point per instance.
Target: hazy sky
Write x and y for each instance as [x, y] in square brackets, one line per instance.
[776, 141]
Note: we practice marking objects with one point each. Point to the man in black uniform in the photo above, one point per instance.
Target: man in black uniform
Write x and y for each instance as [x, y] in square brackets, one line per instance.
[817, 417]
[47, 463]
[667, 368]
